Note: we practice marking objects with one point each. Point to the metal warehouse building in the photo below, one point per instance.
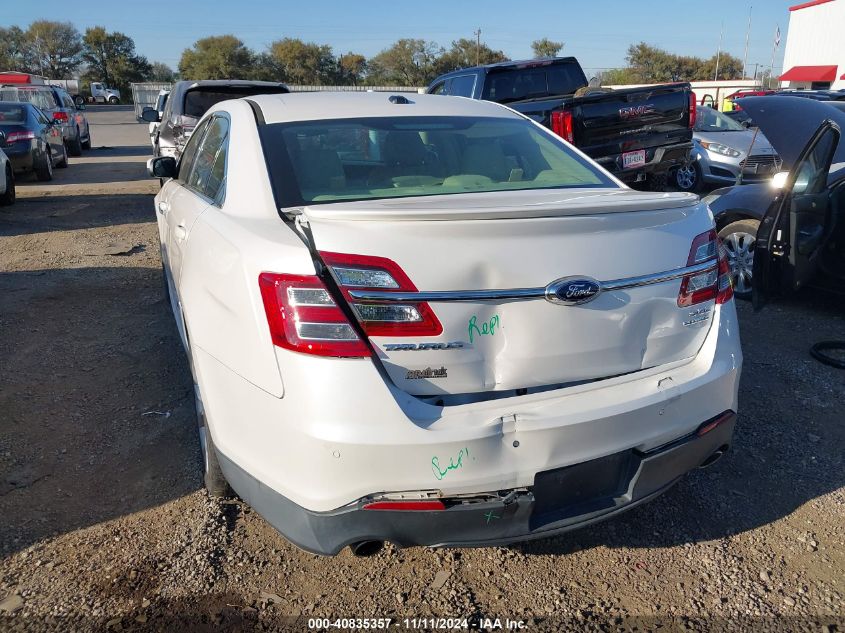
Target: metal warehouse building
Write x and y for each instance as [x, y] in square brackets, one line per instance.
[815, 46]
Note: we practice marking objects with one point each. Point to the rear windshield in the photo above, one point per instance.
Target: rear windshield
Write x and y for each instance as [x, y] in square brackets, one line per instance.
[11, 113]
[42, 99]
[199, 100]
[317, 162]
[534, 82]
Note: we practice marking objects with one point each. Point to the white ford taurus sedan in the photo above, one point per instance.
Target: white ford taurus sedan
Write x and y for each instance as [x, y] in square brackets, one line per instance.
[430, 321]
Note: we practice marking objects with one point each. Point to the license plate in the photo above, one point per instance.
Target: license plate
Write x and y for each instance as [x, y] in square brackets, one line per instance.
[633, 159]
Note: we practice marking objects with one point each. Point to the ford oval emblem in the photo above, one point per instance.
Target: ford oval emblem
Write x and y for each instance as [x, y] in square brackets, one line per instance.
[572, 291]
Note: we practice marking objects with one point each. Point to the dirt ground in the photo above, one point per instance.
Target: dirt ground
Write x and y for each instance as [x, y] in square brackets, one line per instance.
[105, 525]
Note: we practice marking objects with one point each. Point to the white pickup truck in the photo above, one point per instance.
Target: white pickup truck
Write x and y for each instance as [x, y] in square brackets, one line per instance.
[432, 321]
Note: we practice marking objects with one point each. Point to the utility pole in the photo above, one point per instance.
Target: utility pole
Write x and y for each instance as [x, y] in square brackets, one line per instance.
[775, 44]
[756, 64]
[719, 51]
[478, 46]
[747, 35]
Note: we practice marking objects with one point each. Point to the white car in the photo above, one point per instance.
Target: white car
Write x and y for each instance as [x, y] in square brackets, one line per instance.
[161, 101]
[430, 321]
[7, 177]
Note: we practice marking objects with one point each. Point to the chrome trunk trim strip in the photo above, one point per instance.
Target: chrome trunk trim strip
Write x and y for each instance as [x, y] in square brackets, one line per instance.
[524, 294]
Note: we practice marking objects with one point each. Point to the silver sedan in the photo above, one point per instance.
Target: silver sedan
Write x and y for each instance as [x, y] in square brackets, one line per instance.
[722, 150]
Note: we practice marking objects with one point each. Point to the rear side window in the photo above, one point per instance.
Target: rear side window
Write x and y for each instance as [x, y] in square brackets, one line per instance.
[363, 159]
[11, 113]
[462, 86]
[186, 162]
[208, 172]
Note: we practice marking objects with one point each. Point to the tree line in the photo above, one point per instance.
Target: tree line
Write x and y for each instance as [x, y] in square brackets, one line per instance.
[649, 64]
[407, 62]
[58, 50]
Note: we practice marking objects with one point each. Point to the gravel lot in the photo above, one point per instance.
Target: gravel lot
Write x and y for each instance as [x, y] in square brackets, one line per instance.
[106, 526]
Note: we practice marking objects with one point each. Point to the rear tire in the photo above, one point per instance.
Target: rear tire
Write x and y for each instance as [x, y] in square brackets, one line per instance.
[215, 482]
[63, 162]
[45, 172]
[657, 182]
[739, 239]
[74, 146]
[8, 197]
[114, 100]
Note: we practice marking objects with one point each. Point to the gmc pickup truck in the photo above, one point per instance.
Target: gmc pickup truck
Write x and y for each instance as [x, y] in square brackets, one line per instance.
[638, 134]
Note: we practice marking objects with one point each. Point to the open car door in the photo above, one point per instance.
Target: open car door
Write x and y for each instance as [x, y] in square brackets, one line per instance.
[798, 223]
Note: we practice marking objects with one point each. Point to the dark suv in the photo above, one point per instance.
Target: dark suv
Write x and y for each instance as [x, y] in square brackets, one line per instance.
[189, 100]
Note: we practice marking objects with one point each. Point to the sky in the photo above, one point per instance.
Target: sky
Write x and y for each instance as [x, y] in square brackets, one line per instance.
[597, 32]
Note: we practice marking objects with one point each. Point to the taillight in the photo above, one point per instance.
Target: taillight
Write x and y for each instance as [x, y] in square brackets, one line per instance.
[701, 287]
[692, 110]
[725, 290]
[60, 116]
[14, 137]
[562, 125]
[352, 272]
[303, 317]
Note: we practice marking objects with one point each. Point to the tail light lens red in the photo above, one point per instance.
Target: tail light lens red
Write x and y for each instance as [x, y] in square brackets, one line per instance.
[353, 272]
[693, 114]
[562, 125]
[60, 116]
[304, 317]
[14, 137]
[714, 284]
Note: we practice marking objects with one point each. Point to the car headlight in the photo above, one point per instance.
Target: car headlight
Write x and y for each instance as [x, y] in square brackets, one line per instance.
[719, 148]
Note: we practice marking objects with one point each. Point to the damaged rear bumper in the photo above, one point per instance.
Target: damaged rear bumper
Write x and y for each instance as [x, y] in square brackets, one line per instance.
[560, 500]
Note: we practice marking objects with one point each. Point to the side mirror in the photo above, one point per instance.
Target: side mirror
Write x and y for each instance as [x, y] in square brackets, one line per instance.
[746, 124]
[80, 106]
[779, 179]
[162, 167]
[150, 116]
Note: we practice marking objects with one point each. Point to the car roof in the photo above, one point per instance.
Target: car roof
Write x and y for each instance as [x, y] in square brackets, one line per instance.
[311, 106]
[183, 86]
[521, 63]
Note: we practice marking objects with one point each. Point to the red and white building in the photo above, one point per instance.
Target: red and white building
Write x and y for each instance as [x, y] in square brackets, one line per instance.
[815, 46]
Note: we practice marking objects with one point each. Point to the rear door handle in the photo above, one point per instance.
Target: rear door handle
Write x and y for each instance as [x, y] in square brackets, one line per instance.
[180, 232]
[163, 207]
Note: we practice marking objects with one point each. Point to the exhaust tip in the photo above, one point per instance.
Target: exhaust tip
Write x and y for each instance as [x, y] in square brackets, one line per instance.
[714, 457]
[364, 549]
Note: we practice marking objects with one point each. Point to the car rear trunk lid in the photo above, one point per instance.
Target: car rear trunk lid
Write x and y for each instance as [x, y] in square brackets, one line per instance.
[526, 240]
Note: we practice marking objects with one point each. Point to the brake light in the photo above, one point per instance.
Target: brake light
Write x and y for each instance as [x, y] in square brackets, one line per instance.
[693, 114]
[355, 272]
[60, 116]
[304, 318]
[725, 290]
[14, 137]
[562, 125]
[701, 287]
